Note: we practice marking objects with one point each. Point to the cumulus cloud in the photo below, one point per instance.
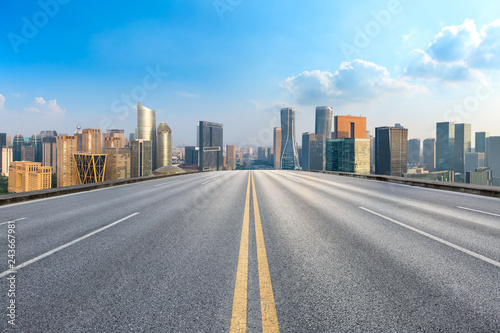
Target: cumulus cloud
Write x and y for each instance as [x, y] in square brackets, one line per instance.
[40, 100]
[354, 81]
[457, 53]
[49, 108]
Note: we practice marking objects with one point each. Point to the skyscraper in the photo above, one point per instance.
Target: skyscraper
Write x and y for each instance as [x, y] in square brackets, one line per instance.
[261, 153]
[29, 176]
[146, 128]
[91, 141]
[493, 157]
[164, 149]
[289, 153]
[79, 138]
[3, 143]
[481, 141]
[313, 151]
[49, 152]
[231, 156]
[414, 152]
[324, 121]
[17, 146]
[350, 127]
[141, 158]
[463, 144]
[211, 142]
[270, 156]
[277, 148]
[191, 155]
[430, 154]
[445, 146]
[6, 160]
[348, 155]
[391, 151]
[36, 142]
[90, 168]
[66, 172]
[49, 133]
[117, 163]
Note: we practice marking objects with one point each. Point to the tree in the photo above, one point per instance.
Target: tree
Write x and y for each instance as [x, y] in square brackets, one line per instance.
[4, 184]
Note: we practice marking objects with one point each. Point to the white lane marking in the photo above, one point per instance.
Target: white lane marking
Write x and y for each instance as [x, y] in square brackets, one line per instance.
[20, 219]
[440, 240]
[297, 181]
[478, 211]
[46, 254]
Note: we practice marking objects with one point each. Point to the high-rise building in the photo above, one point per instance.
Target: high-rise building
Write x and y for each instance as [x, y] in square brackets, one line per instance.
[211, 141]
[131, 137]
[28, 153]
[36, 142]
[372, 154]
[262, 154]
[350, 127]
[90, 168]
[141, 158]
[146, 128]
[348, 155]
[277, 148]
[445, 146]
[391, 151]
[474, 161]
[113, 142]
[3, 143]
[270, 156]
[117, 163]
[49, 133]
[6, 160]
[231, 157]
[17, 146]
[463, 144]
[164, 149]
[49, 152]
[79, 137]
[67, 145]
[191, 155]
[289, 153]
[413, 152]
[313, 151]
[493, 157]
[481, 141]
[324, 121]
[91, 141]
[29, 176]
[430, 154]
[241, 157]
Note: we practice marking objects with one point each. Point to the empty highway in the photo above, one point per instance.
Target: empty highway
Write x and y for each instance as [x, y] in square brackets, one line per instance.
[260, 251]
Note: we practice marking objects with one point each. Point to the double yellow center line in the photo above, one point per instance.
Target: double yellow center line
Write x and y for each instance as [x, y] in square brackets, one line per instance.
[267, 306]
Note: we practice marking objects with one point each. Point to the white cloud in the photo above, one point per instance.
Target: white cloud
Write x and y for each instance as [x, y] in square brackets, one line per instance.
[39, 100]
[354, 81]
[31, 109]
[186, 94]
[2, 101]
[457, 53]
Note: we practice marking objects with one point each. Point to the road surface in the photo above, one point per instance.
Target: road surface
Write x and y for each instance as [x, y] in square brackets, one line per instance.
[261, 251]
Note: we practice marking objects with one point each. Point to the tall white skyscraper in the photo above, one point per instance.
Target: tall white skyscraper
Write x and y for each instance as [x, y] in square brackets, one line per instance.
[146, 128]
[289, 153]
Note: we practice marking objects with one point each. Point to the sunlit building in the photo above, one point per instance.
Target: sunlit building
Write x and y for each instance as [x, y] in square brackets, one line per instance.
[117, 163]
[324, 121]
[91, 141]
[164, 149]
[348, 155]
[146, 128]
[350, 127]
[6, 160]
[90, 168]
[66, 172]
[29, 176]
[49, 152]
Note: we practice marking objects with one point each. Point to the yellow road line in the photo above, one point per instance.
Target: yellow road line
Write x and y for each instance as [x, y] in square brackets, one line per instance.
[267, 305]
[239, 314]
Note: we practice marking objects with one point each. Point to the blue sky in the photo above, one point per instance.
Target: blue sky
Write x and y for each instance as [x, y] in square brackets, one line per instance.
[239, 61]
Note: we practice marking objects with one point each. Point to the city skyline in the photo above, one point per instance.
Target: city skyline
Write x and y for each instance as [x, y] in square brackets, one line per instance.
[439, 67]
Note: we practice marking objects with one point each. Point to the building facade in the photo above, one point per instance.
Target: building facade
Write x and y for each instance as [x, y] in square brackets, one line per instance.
[91, 141]
[350, 127]
[289, 153]
[67, 145]
[211, 143]
[17, 146]
[164, 149]
[36, 143]
[90, 168]
[481, 141]
[191, 155]
[29, 176]
[323, 125]
[231, 157]
[391, 151]
[493, 157]
[313, 151]
[117, 163]
[141, 158]
[49, 152]
[6, 160]
[463, 145]
[445, 146]
[277, 148]
[413, 152]
[429, 154]
[146, 128]
[348, 155]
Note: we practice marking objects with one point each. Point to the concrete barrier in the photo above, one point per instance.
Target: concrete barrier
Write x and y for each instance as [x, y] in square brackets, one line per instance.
[6, 199]
[488, 191]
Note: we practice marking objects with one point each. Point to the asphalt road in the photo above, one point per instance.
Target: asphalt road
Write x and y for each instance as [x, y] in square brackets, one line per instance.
[220, 251]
